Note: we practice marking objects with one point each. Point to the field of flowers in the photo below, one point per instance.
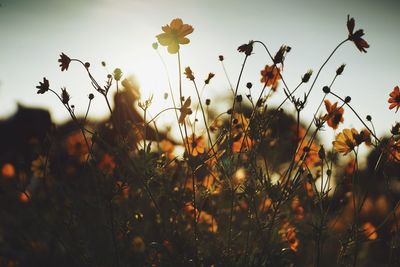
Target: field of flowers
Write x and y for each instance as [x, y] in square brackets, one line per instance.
[252, 186]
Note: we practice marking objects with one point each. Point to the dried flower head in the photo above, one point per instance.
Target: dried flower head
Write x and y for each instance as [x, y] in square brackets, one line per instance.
[43, 86]
[174, 34]
[210, 76]
[306, 76]
[189, 73]
[64, 61]
[247, 49]
[356, 37]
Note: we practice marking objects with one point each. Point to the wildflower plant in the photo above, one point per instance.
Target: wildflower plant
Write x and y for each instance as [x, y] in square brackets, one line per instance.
[254, 186]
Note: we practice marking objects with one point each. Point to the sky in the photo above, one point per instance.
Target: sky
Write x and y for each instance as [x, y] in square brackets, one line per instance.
[34, 33]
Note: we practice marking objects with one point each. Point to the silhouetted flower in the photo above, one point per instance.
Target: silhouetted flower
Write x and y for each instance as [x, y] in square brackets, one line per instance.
[43, 86]
[64, 61]
[394, 99]
[356, 37]
[64, 96]
[270, 76]
[280, 55]
[189, 74]
[210, 76]
[246, 48]
[174, 35]
[306, 76]
[185, 110]
[335, 114]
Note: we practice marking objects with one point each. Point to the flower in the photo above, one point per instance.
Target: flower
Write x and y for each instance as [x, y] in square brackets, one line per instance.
[355, 37]
[185, 110]
[246, 48]
[8, 170]
[308, 156]
[346, 141]
[76, 146]
[189, 73]
[107, 164]
[24, 197]
[196, 145]
[43, 86]
[40, 167]
[394, 99]
[335, 114]
[270, 76]
[370, 231]
[64, 61]
[174, 35]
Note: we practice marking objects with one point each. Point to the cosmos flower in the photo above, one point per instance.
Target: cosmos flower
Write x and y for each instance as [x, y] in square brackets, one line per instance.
[394, 99]
[43, 86]
[356, 37]
[335, 114]
[174, 34]
[246, 48]
[64, 61]
[346, 141]
[270, 76]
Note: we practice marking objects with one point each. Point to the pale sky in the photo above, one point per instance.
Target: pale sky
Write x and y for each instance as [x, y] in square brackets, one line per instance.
[34, 33]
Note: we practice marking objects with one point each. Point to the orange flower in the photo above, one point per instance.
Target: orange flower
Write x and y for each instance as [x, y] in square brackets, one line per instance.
[270, 76]
[309, 155]
[8, 170]
[76, 146]
[174, 35]
[394, 99]
[360, 43]
[243, 144]
[288, 233]
[370, 231]
[107, 164]
[335, 114]
[25, 197]
[197, 145]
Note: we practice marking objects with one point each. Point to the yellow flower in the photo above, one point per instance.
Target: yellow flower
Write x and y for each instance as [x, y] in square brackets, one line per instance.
[174, 35]
[346, 141]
